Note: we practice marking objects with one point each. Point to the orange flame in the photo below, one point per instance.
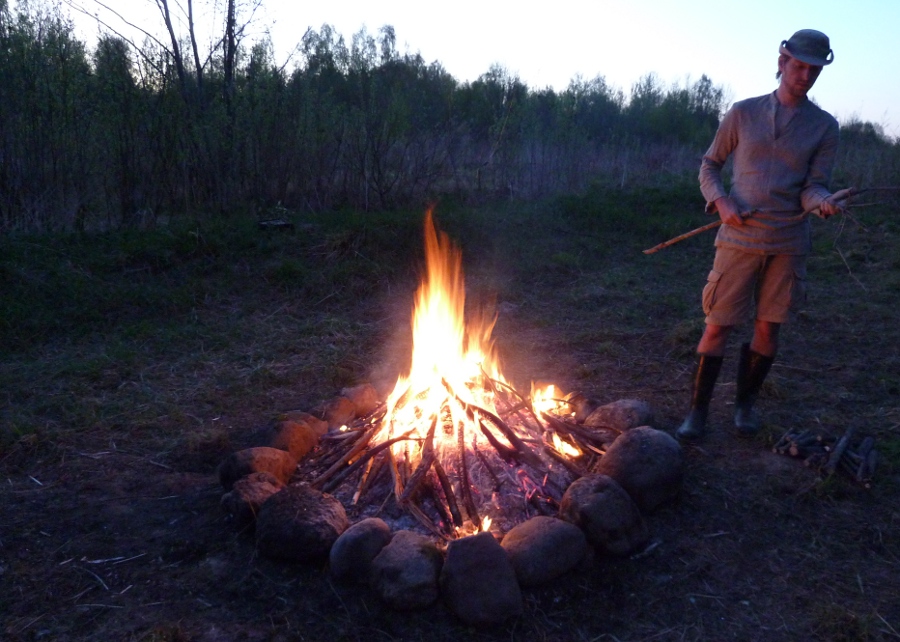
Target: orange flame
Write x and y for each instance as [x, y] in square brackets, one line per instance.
[448, 354]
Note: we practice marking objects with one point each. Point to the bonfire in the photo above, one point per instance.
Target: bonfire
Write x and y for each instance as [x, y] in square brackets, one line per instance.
[455, 444]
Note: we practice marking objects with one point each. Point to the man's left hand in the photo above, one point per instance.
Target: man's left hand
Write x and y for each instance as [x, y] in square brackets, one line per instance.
[835, 203]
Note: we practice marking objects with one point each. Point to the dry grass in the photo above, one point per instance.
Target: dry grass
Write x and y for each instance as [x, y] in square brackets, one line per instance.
[112, 427]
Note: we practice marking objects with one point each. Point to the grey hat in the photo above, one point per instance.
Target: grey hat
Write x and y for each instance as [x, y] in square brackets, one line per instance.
[809, 46]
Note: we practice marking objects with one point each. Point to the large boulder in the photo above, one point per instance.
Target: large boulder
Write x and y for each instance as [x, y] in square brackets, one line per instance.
[405, 572]
[478, 581]
[647, 463]
[543, 548]
[262, 459]
[352, 554]
[299, 524]
[606, 513]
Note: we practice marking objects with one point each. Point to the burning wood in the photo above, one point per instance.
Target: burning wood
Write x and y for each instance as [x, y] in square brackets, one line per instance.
[455, 403]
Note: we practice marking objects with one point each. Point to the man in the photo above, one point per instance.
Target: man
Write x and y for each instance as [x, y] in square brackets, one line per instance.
[783, 149]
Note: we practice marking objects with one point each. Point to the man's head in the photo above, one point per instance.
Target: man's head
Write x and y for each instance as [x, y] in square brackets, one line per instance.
[801, 60]
[809, 46]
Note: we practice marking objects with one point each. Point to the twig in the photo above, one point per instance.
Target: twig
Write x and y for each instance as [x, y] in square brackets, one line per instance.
[452, 506]
[336, 481]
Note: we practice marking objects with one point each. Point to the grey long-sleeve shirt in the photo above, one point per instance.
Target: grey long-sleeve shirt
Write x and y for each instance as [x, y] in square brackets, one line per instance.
[782, 162]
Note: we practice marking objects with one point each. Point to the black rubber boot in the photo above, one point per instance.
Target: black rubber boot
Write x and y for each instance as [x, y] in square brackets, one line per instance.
[752, 370]
[705, 375]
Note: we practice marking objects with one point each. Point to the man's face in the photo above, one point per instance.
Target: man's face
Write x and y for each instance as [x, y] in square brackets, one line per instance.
[798, 77]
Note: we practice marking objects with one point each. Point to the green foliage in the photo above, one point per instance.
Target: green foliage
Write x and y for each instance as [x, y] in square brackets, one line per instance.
[128, 136]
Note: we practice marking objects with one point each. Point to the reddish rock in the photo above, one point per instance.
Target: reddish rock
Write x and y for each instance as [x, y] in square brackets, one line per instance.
[337, 412]
[621, 415]
[319, 426]
[262, 459]
[296, 437]
[246, 497]
[364, 398]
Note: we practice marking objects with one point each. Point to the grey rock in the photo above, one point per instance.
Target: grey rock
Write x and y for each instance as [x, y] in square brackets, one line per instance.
[647, 463]
[352, 554]
[544, 548]
[621, 415]
[299, 524]
[478, 581]
[606, 513]
[405, 572]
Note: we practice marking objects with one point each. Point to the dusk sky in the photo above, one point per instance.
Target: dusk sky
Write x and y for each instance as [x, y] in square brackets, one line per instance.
[548, 44]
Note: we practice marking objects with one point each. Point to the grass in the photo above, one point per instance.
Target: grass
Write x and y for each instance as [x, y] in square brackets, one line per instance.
[132, 363]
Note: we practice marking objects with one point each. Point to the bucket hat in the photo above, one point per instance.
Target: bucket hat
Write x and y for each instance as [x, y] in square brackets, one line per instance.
[809, 46]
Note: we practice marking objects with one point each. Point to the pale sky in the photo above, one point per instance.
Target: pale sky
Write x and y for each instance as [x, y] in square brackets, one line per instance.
[548, 44]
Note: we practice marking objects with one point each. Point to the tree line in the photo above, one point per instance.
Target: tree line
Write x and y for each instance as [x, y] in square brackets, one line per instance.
[124, 132]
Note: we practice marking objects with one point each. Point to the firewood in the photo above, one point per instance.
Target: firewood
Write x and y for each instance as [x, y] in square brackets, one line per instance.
[432, 488]
[568, 464]
[357, 448]
[865, 446]
[465, 484]
[412, 486]
[498, 483]
[521, 447]
[447, 487]
[337, 479]
[838, 452]
[369, 475]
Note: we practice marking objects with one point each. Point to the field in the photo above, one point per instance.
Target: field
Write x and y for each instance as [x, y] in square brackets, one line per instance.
[132, 362]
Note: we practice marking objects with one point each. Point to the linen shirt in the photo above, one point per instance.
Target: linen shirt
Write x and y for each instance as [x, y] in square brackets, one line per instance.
[779, 173]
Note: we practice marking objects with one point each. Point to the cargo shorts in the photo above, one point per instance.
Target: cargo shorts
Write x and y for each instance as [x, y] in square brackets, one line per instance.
[775, 283]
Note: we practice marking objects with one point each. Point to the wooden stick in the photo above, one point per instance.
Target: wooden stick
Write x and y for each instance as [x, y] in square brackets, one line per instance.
[838, 452]
[465, 488]
[336, 481]
[521, 447]
[681, 237]
[431, 487]
[447, 487]
[427, 459]
[357, 448]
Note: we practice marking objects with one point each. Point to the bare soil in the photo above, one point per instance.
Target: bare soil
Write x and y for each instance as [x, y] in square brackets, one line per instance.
[110, 528]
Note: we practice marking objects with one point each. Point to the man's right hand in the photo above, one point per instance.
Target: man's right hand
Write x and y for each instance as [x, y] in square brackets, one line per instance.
[729, 211]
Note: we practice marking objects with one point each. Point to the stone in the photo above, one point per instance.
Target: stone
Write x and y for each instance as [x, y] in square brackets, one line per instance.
[299, 524]
[319, 426]
[261, 459]
[296, 437]
[364, 398]
[621, 415]
[337, 412]
[647, 463]
[582, 405]
[606, 513]
[478, 582]
[405, 573]
[246, 497]
[352, 554]
[544, 548]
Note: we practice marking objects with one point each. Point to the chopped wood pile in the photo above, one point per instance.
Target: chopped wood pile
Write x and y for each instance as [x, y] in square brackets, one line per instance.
[830, 455]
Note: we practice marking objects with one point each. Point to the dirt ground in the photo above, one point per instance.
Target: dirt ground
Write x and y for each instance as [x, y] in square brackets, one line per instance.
[118, 535]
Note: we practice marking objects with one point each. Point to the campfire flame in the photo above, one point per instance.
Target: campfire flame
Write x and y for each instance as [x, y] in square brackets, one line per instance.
[452, 359]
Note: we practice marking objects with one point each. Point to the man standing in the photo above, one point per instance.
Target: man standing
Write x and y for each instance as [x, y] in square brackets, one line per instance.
[783, 149]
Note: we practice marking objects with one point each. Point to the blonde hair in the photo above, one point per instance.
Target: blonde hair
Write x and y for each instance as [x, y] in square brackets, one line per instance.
[782, 59]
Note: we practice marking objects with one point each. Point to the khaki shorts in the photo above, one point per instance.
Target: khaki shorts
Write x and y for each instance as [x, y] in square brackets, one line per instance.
[775, 283]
